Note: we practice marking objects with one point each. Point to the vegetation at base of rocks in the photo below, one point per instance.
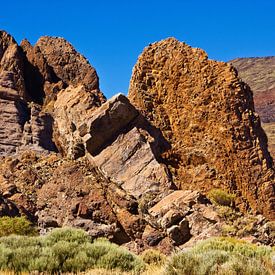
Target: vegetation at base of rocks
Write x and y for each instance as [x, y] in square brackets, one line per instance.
[153, 257]
[223, 256]
[16, 225]
[64, 250]
[72, 250]
[221, 197]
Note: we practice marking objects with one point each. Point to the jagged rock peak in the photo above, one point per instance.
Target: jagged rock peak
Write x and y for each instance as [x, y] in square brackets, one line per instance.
[37, 74]
[68, 64]
[207, 114]
[11, 66]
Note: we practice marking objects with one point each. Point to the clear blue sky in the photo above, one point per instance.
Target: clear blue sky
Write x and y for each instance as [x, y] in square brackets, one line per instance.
[111, 34]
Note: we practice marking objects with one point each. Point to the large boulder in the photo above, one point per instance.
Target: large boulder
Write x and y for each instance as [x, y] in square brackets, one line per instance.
[207, 114]
[115, 139]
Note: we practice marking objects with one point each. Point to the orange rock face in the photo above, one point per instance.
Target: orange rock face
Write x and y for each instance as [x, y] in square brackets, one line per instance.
[207, 114]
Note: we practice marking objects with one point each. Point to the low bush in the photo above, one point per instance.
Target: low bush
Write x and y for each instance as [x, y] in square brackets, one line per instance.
[221, 197]
[16, 225]
[153, 257]
[222, 256]
[64, 250]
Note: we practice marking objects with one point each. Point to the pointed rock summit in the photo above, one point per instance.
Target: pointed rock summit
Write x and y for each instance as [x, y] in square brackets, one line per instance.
[207, 115]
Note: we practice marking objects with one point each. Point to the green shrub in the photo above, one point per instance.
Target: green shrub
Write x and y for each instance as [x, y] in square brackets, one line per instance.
[153, 257]
[184, 263]
[63, 250]
[116, 257]
[221, 197]
[16, 225]
[222, 256]
[67, 234]
[233, 246]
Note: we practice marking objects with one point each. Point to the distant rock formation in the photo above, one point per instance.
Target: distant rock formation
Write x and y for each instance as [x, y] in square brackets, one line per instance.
[207, 114]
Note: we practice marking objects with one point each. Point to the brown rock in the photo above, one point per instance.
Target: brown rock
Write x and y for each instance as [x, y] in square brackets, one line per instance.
[11, 64]
[130, 161]
[180, 234]
[207, 114]
[68, 65]
[13, 115]
[38, 74]
[259, 74]
[73, 107]
[106, 122]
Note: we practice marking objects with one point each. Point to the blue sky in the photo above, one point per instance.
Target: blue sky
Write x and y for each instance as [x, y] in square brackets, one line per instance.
[111, 34]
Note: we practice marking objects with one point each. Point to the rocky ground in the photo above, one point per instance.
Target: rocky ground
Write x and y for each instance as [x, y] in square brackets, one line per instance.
[135, 170]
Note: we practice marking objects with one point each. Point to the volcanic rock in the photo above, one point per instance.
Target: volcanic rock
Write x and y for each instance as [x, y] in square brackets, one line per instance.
[68, 65]
[11, 64]
[112, 136]
[259, 74]
[68, 158]
[207, 114]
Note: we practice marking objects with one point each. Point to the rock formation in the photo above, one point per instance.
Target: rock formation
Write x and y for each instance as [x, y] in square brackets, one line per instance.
[69, 157]
[207, 114]
[259, 74]
[13, 110]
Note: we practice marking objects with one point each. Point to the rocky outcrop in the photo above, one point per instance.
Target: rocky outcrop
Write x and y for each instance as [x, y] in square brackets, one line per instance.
[259, 74]
[13, 110]
[113, 137]
[38, 131]
[68, 65]
[30, 79]
[52, 64]
[55, 192]
[207, 114]
[73, 107]
[11, 65]
[69, 157]
[13, 115]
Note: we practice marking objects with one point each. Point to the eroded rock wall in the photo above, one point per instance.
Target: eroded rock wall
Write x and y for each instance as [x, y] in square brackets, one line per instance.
[207, 114]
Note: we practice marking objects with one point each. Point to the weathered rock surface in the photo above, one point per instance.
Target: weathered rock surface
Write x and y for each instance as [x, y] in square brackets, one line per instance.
[259, 74]
[207, 114]
[13, 115]
[114, 171]
[112, 137]
[55, 192]
[11, 64]
[13, 110]
[129, 160]
[36, 74]
[68, 65]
